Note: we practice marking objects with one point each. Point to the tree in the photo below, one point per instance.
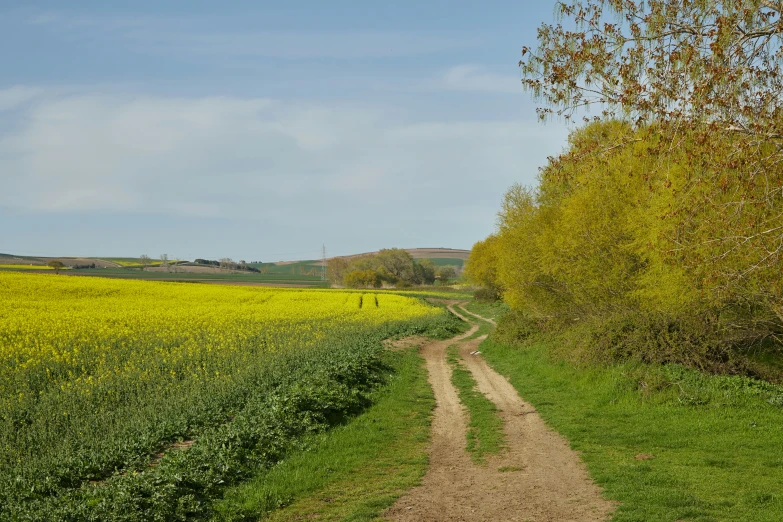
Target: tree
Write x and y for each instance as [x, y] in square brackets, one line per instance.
[164, 261]
[56, 264]
[445, 273]
[145, 261]
[425, 271]
[714, 62]
[398, 262]
[482, 266]
[703, 75]
[336, 268]
[362, 279]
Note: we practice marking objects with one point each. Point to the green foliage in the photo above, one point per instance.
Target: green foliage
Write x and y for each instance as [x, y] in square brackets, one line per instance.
[486, 295]
[392, 266]
[362, 279]
[482, 266]
[56, 265]
[396, 262]
[647, 242]
[361, 467]
[446, 273]
[494, 310]
[424, 272]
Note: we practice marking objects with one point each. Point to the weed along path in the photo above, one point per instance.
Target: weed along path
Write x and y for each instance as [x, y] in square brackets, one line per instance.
[536, 477]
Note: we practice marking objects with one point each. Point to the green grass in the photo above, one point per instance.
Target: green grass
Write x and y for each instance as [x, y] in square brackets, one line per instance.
[289, 268]
[716, 441]
[445, 261]
[489, 310]
[484, 327]
[355, 471]
[485, 427]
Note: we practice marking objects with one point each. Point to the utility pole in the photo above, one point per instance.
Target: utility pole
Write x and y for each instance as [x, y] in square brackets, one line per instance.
[323, 262]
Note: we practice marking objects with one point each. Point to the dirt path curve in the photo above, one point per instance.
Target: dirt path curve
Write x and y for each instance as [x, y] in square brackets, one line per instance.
[477, 316]
[544, 479]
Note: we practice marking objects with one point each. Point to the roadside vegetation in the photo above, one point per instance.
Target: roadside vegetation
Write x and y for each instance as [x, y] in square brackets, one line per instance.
[355, 471]
[658, 234]
[666, 442]
[642, 274]
[487, 309]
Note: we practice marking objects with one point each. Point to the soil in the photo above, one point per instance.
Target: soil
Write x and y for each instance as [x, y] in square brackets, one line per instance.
[537, 478]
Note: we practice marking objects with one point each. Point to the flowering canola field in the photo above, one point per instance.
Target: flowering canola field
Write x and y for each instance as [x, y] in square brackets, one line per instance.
[97, 374]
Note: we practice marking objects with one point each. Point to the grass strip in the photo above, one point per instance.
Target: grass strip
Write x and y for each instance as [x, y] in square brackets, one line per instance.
[489, 310]
[352, 472]
[484, 328]
[666, 442]
[485, 427]
[492, 310]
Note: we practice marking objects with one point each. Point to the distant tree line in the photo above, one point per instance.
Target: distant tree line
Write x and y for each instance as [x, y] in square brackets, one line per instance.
[228, 264]
[391, 266]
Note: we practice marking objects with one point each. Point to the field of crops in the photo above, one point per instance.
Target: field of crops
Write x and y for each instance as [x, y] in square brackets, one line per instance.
[25, 267]
[130, 400]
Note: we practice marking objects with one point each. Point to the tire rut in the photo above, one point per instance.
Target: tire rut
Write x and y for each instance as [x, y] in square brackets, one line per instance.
[544, 479]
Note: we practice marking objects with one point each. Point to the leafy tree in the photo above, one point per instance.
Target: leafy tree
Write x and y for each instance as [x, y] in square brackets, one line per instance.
[704, 80]
[709, 62]
[336, 268]
[446, 273]
[362, 279]
[482, 265]
[56, 264]
[368, 262]
[398, 262]
[424, 272]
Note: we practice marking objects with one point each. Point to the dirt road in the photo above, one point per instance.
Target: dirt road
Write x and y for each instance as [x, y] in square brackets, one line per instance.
[542, 478]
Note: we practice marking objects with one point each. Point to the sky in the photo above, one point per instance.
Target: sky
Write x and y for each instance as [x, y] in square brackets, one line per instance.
[262, 130]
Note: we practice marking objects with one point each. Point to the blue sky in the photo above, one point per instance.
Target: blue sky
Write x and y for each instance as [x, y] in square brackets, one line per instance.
[260, 130]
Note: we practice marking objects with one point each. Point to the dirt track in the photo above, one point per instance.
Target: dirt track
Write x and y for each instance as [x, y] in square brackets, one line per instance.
[546, 481]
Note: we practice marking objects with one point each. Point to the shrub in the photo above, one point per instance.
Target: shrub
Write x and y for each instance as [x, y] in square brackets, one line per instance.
[486, 295]
[516, 328]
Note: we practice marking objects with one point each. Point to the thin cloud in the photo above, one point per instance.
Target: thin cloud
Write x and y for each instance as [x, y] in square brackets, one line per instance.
[476, 79]
[192, 38]
[254, 158]
[13, 97]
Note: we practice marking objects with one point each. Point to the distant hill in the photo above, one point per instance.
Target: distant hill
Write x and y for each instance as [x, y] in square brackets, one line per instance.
[439, 256]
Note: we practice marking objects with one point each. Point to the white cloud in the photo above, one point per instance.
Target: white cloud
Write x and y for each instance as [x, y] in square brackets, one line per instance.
[13, 97]
[476, 79]
[257, 158]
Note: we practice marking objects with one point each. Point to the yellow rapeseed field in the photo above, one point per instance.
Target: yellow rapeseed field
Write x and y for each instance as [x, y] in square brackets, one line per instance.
[80, 331]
